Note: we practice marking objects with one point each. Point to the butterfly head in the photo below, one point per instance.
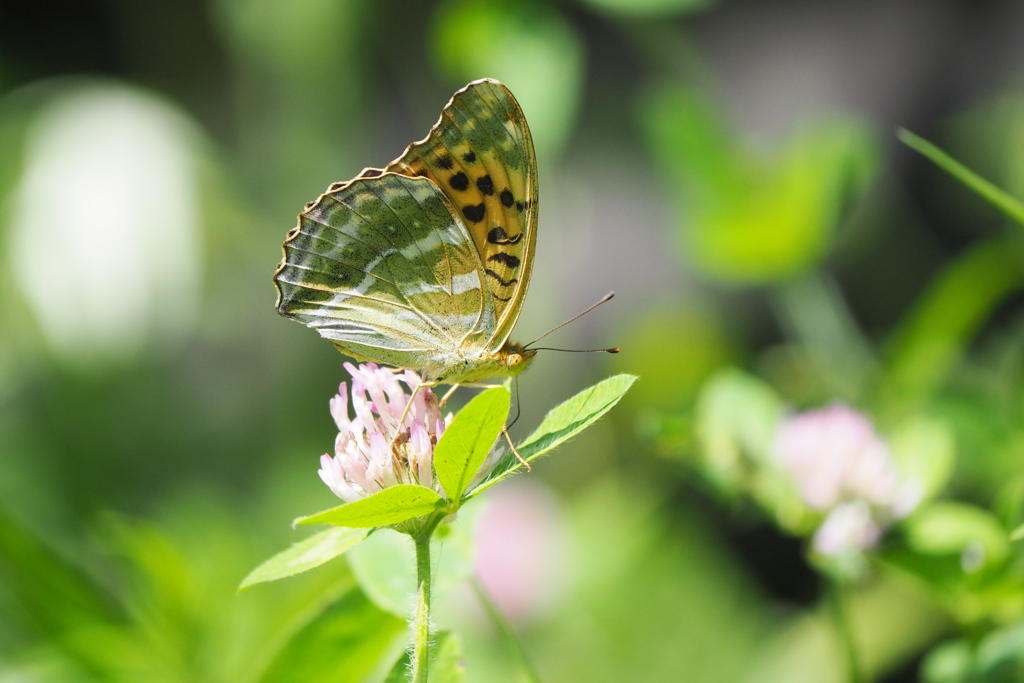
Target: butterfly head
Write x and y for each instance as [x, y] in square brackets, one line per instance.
[516, 357]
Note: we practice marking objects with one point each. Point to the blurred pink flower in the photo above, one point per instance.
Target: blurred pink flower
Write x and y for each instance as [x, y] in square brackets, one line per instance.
[364, 459]
[842, 468]
[517, 545]
[849, 526]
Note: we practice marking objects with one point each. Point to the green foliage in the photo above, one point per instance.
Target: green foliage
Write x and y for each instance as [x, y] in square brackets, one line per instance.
[562, 423]
[650, 8]
[459, 455]
[811, 269]
[529, 46]
[344, 642]
[468, 440]
[306, 555]
[1012, 207]
[387, 506]
[754, 218]
[996, 658]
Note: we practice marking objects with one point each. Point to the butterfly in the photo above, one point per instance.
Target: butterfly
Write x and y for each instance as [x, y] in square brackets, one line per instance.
[424, 264]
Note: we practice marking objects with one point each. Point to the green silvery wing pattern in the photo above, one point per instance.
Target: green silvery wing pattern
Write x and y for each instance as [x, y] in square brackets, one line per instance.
[481, 155]
[385, 269]
[425, 264]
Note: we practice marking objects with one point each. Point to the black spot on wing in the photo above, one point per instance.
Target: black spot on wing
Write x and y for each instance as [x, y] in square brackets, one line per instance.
[445, 162]
[497, 277]
[469, 157]
[507, 199]
[474, 213]
[507, 259]
[485, 185]
[520, 207]
[499, 236]
[459, 181]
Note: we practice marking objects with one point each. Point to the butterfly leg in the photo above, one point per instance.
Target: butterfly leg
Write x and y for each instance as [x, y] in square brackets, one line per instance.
[447, 395]
[405, 413]
[504, 430]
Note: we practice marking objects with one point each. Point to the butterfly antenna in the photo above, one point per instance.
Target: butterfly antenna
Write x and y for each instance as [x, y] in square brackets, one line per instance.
[607, 297]
[614, 349]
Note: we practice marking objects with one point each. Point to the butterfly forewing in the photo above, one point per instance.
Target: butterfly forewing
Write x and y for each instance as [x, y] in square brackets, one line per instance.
[384, 268]
[480, 154]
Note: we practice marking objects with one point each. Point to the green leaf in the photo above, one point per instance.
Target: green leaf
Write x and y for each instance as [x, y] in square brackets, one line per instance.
[48, 593]
[342, 643]
[528, 46]
[924, 451]
[947, 527]
[385, 564]
[960, 298]
[565, 421]
[305, 555]
[650, 9]
[446, 661]
[998, 657]
[468, 440]
[744, 215]
[390, 506]
[1009, 205]
[1017, 533]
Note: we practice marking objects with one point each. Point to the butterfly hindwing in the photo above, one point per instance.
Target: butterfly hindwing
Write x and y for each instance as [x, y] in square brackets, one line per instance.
[481, 155]
[383, 267]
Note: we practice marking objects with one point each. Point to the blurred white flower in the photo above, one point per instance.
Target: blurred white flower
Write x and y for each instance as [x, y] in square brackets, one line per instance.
[365, 461]
[842, 468]
[104, 222]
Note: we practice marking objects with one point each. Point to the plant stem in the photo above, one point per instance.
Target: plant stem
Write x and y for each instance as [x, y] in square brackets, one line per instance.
[841, 615]
[506, 631]
[421, 620]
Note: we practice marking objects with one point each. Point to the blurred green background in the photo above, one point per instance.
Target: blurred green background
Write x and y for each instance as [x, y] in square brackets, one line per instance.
[728, 168]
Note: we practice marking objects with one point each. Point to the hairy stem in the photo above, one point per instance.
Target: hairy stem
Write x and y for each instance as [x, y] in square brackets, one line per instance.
[421, 620]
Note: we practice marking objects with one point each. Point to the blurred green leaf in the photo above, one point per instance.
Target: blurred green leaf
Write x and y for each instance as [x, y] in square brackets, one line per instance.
[385, 567]
[305, 555]
[385, 564]
[924, 451]
[467, 441]
[388, 506]
[948, 527]
[650, 9]
[954, 305]
[1012, 207]
[674, 348]
[563, 422]
[527, 45]
[736, 418]
[998, 657]
[44, 594]
[950, 662]
[749, 217]
[344, 642]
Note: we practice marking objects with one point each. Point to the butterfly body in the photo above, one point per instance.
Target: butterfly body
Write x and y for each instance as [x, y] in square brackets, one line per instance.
[424, 264]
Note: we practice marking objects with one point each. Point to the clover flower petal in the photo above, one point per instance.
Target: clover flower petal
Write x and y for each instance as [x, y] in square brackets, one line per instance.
[841, 468]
